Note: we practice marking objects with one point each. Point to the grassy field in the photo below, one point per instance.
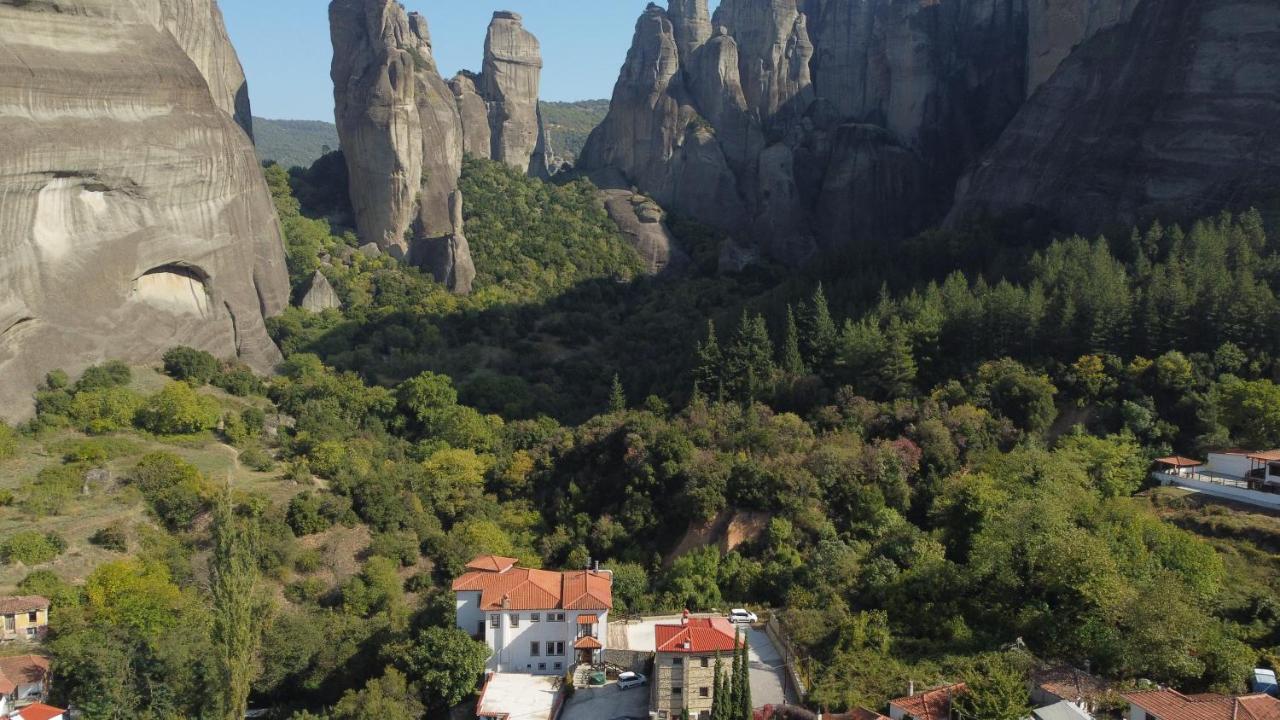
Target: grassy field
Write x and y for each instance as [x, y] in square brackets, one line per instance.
[114, 501]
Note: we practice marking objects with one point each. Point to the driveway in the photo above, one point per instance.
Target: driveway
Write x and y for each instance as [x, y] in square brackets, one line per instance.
[766, 671]
[607, 702]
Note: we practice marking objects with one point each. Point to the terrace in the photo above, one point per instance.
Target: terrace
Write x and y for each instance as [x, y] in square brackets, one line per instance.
[1245, 476]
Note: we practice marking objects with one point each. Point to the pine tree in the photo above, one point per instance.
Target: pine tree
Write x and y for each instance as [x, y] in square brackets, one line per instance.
[744, 695]
[236, 609]
[617, 396]
[896, 368]
[792, 361]
[708, 377]
[749, 363]
[818, 333]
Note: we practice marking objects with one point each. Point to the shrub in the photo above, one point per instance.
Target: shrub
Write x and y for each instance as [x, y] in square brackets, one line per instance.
[104, 410]
[179, 410]
[114, 537]
[53, 489]
[306, 591]
[308, 561]
[8, 441]
[6, 498]
[30, 547]
[190, 365]
[175, 489]
[401, 547]
[111, 374]
[306, 516]
[256, 457]
[239, 381]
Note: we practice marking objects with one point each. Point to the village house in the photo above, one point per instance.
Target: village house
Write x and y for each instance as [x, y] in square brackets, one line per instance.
[534, 621]
[38, 711]
[1065, 693]
[1168, 704]
[26, 617]
[1242, 475]
[933, 704]
[684, 665]
[22, 681]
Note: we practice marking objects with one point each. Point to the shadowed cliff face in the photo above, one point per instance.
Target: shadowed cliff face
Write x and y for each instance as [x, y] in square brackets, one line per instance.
[133, 214]
[1172, 114]
[803, 124]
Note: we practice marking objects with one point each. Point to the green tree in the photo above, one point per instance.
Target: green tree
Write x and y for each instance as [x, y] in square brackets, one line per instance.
[744, 684]
[237, 609]
[617, 396]
[190, 365]
[447, 663]
[735, 679]
[390, 697]
[792, 360]
[749, 365]
[996, 690]
[1249, 409]
[1019, 394]
[818, 335]
[178, 409]
[718, 690]
[708, 376]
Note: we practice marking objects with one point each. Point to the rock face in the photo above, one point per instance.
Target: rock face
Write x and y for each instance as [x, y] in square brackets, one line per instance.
[641, 221]
[797, 125]
[1172, 114]
[320, 295]
[404, 130]
[449, 257]
[133, 214]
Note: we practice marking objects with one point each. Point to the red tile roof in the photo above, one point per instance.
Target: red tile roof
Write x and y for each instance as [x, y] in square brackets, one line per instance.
[21, 670]
[1070, 684]
[492, 563]
[1173, 705]
[586, 642]
[855, 714]
[698, 635]
[22, 603]
[519, 588]
[39, 711]
[931, 705]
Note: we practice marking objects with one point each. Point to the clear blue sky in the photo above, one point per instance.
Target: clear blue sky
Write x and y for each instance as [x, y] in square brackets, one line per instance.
[284, 46]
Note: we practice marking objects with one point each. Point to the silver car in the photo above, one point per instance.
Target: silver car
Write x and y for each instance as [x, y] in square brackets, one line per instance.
[630, 680]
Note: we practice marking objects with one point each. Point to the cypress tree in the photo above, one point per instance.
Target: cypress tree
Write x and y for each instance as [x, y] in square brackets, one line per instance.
[617, 396]
[744, 695]
[735, 682]
[709, 375]
[233, 585]
[817, 331]
[792, 361]
[718, 691]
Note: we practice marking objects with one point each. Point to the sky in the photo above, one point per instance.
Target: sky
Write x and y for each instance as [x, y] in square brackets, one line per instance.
[285, 49]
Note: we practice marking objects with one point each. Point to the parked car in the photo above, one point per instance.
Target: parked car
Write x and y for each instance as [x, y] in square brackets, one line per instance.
[744, 616]
[630, 680]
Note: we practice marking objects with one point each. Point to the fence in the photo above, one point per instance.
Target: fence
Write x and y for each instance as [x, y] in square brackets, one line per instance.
[791, 661]
[633, 660]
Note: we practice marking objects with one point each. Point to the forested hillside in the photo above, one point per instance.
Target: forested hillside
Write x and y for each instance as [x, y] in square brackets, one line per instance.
[569, 123]
[948, 444]
[293, 143]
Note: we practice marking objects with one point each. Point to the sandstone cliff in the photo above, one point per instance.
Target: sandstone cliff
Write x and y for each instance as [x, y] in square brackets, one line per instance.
[133, 214]
[804, 124]
[404, 130]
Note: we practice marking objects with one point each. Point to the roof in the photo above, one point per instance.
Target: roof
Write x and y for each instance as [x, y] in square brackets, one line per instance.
[586, 642]
[1173, 705]
[588, 618]
[1268, 456]
[21, 670]
[696, 635]
[1070, 684]
[492, 563]
[1061, 710]
[22, 603]
[39, 711]
[519, 696]
[518, 588]
[931, 705]
[1178, 461]
[857, 714]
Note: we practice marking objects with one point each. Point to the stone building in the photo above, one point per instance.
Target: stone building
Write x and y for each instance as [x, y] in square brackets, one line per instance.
[684, 665]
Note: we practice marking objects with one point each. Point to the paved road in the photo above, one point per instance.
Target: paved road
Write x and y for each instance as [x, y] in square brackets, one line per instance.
[606, 703]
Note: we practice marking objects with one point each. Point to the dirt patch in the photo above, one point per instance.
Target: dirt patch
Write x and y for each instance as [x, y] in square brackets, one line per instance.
[727, 531]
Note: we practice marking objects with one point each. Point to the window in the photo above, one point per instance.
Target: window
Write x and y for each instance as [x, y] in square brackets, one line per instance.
[32, 616]
[677, 692]
[495, 621]
[677, 662]
[534, 648]
[555, 648]
[542, 666]
[535, 617]
[705, 661]
[555, 617]
[559, 666]
[704, 692]
[515, 619]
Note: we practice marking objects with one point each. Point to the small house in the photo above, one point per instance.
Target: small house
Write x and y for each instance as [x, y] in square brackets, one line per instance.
[684, 664]
[933, 704]
[39, 711]
[23, 680]
[1166, 704]
[26, 617]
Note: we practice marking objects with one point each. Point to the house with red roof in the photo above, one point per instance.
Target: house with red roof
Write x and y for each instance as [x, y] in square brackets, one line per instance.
[26, 617]
[22, 681]
[39, 711]
[534, 621]
[1166, 704]
[932, 704]
[684, 664]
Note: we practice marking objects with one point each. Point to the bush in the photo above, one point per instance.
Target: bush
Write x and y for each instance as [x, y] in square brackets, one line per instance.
[53, 489]
[306, 591]
[401, 547]
[104, 410]
[306, 514]
[179, 410]
[308, 561]
[239, 381]
[32, 548]
[8, 441]
[196, 367]
[111, 374]
[256, 457]
[6, 498]
[175, 489]
[114, 537]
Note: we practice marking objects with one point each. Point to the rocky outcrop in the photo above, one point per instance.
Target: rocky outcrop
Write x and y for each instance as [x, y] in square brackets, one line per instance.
[133, 214]
[642, 222]
[320, 295]
[448, 258]
[404, 130]
[1172, 115]
[798, 125]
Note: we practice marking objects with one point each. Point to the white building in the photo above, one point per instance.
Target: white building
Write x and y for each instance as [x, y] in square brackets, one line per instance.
[1245, 476]
[534, 621]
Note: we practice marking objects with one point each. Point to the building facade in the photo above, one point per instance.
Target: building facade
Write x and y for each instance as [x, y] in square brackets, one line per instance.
[684, 665]
[534, 621]
[24, 617]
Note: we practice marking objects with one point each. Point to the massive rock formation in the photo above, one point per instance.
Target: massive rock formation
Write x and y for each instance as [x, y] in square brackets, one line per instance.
[404, 130]
[804, 124]
[1172, 114]
[133, 214]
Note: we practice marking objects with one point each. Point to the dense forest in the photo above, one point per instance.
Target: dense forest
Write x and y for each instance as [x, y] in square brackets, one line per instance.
[944, 448]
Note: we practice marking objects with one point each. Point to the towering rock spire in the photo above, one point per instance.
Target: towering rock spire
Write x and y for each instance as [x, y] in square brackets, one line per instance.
[692, 24]
[509, 82]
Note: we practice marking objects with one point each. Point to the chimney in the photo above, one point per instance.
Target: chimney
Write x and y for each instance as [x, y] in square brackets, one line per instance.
[684, 619]
[597, 566]
[588, 562]
[911, 688]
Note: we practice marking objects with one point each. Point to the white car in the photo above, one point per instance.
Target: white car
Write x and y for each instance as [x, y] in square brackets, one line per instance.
[743, 616]
[630, 680]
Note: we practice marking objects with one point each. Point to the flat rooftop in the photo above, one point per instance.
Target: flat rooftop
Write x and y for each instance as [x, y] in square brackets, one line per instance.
[516, 696]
